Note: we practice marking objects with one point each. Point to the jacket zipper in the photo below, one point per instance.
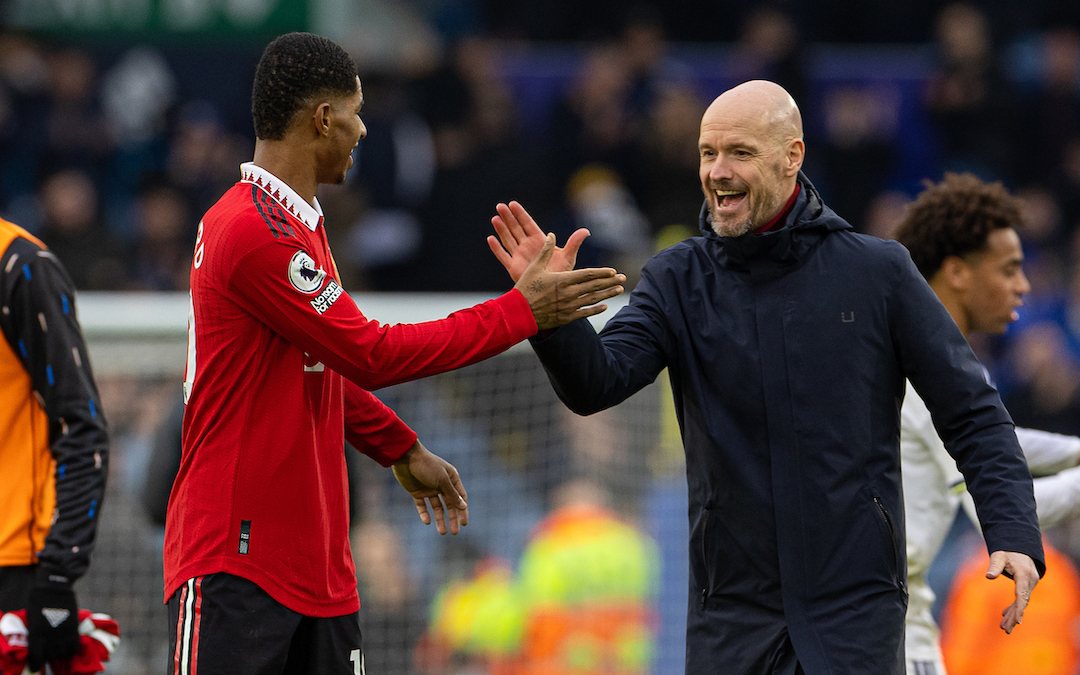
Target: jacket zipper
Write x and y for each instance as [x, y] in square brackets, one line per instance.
[705, 558]
[892, 542]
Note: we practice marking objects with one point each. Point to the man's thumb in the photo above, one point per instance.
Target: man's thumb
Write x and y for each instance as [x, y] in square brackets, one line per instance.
[997, 565]
[545, 253]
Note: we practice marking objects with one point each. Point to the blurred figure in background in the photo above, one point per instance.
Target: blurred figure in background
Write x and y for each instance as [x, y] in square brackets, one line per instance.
[594, 122]
[479, 160]
[859, 152]
[1047, 392]
[71, 224]
[1051, 118]
[76, 127]
[581, 604]
[769, 47]
[667, 162]
[162, 250]
[967, 97]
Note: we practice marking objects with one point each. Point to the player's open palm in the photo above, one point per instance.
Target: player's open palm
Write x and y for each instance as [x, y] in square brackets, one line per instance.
[521, 240]
[430, 479]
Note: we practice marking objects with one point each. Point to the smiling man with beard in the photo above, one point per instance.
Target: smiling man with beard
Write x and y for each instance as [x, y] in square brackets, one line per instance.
[788, 338]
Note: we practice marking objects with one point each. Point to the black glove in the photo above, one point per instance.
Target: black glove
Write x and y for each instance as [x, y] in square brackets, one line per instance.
[52, 618]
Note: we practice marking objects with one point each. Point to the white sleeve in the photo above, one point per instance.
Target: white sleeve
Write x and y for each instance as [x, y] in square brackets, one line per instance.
[1048, 453]
[1057, 497]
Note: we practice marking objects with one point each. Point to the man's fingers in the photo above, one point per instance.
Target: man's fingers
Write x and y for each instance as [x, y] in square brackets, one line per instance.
[500, 253]
[506, 236]
[523, 219]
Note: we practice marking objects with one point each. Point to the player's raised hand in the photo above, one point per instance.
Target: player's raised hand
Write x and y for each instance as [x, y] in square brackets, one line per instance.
[557, 298]
[1021, 569]
[430, 479]
[521, 239]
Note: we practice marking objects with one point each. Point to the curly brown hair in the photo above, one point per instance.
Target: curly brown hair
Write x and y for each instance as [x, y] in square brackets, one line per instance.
[295, 68]
[954, 217]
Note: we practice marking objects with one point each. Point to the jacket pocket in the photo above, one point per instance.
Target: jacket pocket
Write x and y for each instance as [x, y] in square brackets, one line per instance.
[890, 532]
[703, 569]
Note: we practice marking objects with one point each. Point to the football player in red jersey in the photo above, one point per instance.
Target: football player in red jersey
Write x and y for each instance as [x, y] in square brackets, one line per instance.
[259, 577]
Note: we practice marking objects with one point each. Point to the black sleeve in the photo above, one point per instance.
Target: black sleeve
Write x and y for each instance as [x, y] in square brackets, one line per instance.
[591, 372]
[40, 324]
[968, 415]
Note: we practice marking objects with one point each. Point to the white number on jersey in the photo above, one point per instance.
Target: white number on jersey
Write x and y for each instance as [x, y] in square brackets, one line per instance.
[189, 370]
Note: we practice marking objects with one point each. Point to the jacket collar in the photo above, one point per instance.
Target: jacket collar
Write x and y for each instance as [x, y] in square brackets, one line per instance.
[310, 216]
[772, 253]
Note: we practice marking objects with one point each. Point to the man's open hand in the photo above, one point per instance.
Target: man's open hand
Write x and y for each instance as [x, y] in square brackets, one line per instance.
[544, 272]
[431, 479]
[1021, 569]
[520, 240]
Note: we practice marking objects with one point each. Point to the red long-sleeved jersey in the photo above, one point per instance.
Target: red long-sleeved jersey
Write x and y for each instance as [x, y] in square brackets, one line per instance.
[280, 364]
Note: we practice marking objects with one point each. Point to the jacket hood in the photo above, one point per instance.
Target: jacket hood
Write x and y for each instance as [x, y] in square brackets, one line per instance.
[773, 253]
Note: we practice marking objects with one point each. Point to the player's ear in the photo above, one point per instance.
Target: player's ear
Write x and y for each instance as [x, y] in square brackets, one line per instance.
[321, 118]
[955, 271]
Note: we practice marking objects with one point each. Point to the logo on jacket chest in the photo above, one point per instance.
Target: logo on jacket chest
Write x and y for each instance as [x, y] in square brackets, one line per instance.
[304, 275]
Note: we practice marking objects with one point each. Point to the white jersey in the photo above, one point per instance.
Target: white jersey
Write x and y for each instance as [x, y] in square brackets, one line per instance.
[934, 488]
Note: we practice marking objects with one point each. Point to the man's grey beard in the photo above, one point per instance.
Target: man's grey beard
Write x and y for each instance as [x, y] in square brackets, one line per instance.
[737, 230]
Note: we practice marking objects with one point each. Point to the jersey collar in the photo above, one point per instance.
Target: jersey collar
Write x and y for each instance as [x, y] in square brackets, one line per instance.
[307, 214]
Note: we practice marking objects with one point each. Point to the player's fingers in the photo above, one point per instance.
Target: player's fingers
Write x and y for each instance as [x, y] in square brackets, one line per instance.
[440, 513]
[453, 519]
[421, 508]
[455, 480]
[572, 278]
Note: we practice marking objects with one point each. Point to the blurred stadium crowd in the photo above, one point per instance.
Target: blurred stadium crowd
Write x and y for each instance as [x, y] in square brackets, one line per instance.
[587, 113]
[110, 152]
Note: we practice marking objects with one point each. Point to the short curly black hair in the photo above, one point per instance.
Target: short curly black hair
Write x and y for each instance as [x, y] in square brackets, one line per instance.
[955, 217]
[295, 68]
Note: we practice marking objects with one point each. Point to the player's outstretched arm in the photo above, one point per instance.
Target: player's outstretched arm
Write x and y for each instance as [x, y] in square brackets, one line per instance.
[521, 239]
[1021, 568]
[431, 479]
[557, 298]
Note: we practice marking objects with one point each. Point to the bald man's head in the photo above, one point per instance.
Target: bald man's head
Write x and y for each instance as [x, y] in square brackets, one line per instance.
[762, 102]
[751, 150]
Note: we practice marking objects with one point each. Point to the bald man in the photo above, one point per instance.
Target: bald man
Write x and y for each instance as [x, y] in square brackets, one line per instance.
[788, 338]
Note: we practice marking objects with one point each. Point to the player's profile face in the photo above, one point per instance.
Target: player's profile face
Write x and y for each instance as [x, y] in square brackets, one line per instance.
[995, 283]
[346, 130]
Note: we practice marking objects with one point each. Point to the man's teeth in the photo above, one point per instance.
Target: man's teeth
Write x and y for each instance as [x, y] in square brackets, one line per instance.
[727, 193]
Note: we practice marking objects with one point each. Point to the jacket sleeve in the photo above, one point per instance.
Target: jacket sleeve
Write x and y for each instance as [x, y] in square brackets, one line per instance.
[967, 412]
[370, 354]
[43, 330]
[592, 372]
[373, 428]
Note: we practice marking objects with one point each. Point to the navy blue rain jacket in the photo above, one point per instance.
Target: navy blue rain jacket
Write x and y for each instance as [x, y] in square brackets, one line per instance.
[787, 353]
